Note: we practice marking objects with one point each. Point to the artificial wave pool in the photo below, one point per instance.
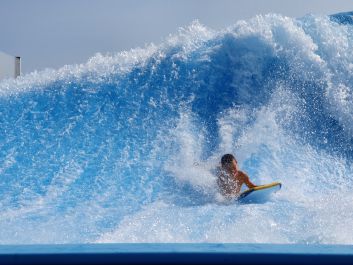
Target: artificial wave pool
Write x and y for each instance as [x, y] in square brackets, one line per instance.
[122, 149]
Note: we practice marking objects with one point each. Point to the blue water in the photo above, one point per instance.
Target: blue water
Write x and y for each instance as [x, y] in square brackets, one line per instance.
[124, 147]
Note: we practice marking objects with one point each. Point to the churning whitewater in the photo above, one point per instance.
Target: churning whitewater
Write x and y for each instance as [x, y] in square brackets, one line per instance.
[124, 147]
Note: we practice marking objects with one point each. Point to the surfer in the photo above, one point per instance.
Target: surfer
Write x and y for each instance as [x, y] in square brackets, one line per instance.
[230, 178]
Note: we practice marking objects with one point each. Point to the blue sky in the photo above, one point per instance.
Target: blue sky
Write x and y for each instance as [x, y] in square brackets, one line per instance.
[50, 33]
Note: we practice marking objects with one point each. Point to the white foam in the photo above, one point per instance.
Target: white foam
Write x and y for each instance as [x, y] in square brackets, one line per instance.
[186, 163]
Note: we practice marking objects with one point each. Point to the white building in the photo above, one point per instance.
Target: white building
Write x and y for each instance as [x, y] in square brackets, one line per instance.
[10, 66]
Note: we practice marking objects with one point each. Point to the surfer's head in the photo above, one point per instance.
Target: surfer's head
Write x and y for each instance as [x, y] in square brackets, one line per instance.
[229, 162]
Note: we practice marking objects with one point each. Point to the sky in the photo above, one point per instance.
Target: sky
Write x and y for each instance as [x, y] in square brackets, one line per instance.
[51, 33]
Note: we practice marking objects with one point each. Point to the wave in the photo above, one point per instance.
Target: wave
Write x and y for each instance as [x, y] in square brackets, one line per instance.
[123, 148]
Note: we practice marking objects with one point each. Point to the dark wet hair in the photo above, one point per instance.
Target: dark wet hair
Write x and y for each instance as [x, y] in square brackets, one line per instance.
[227, 159]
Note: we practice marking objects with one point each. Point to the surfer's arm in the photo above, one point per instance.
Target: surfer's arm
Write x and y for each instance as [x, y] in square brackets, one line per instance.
[247, 181]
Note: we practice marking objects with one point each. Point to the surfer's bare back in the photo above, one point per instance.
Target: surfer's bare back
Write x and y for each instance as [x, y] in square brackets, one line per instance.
[230, 178]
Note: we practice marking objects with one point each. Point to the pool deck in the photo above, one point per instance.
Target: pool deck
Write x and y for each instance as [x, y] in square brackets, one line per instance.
[176, 254]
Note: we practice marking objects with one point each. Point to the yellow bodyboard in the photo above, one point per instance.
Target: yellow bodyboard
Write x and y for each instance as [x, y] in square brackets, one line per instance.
[259, 193]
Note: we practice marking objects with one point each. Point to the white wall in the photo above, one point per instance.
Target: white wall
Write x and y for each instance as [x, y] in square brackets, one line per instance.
[10, 66]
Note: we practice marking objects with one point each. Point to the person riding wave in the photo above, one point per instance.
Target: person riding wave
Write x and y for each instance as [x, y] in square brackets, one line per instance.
[230, 178]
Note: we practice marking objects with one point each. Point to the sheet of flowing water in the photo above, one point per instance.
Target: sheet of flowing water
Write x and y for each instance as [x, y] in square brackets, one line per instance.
[124, 147]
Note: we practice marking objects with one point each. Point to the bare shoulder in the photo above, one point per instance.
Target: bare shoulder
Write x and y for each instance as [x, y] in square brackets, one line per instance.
[243, 175]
